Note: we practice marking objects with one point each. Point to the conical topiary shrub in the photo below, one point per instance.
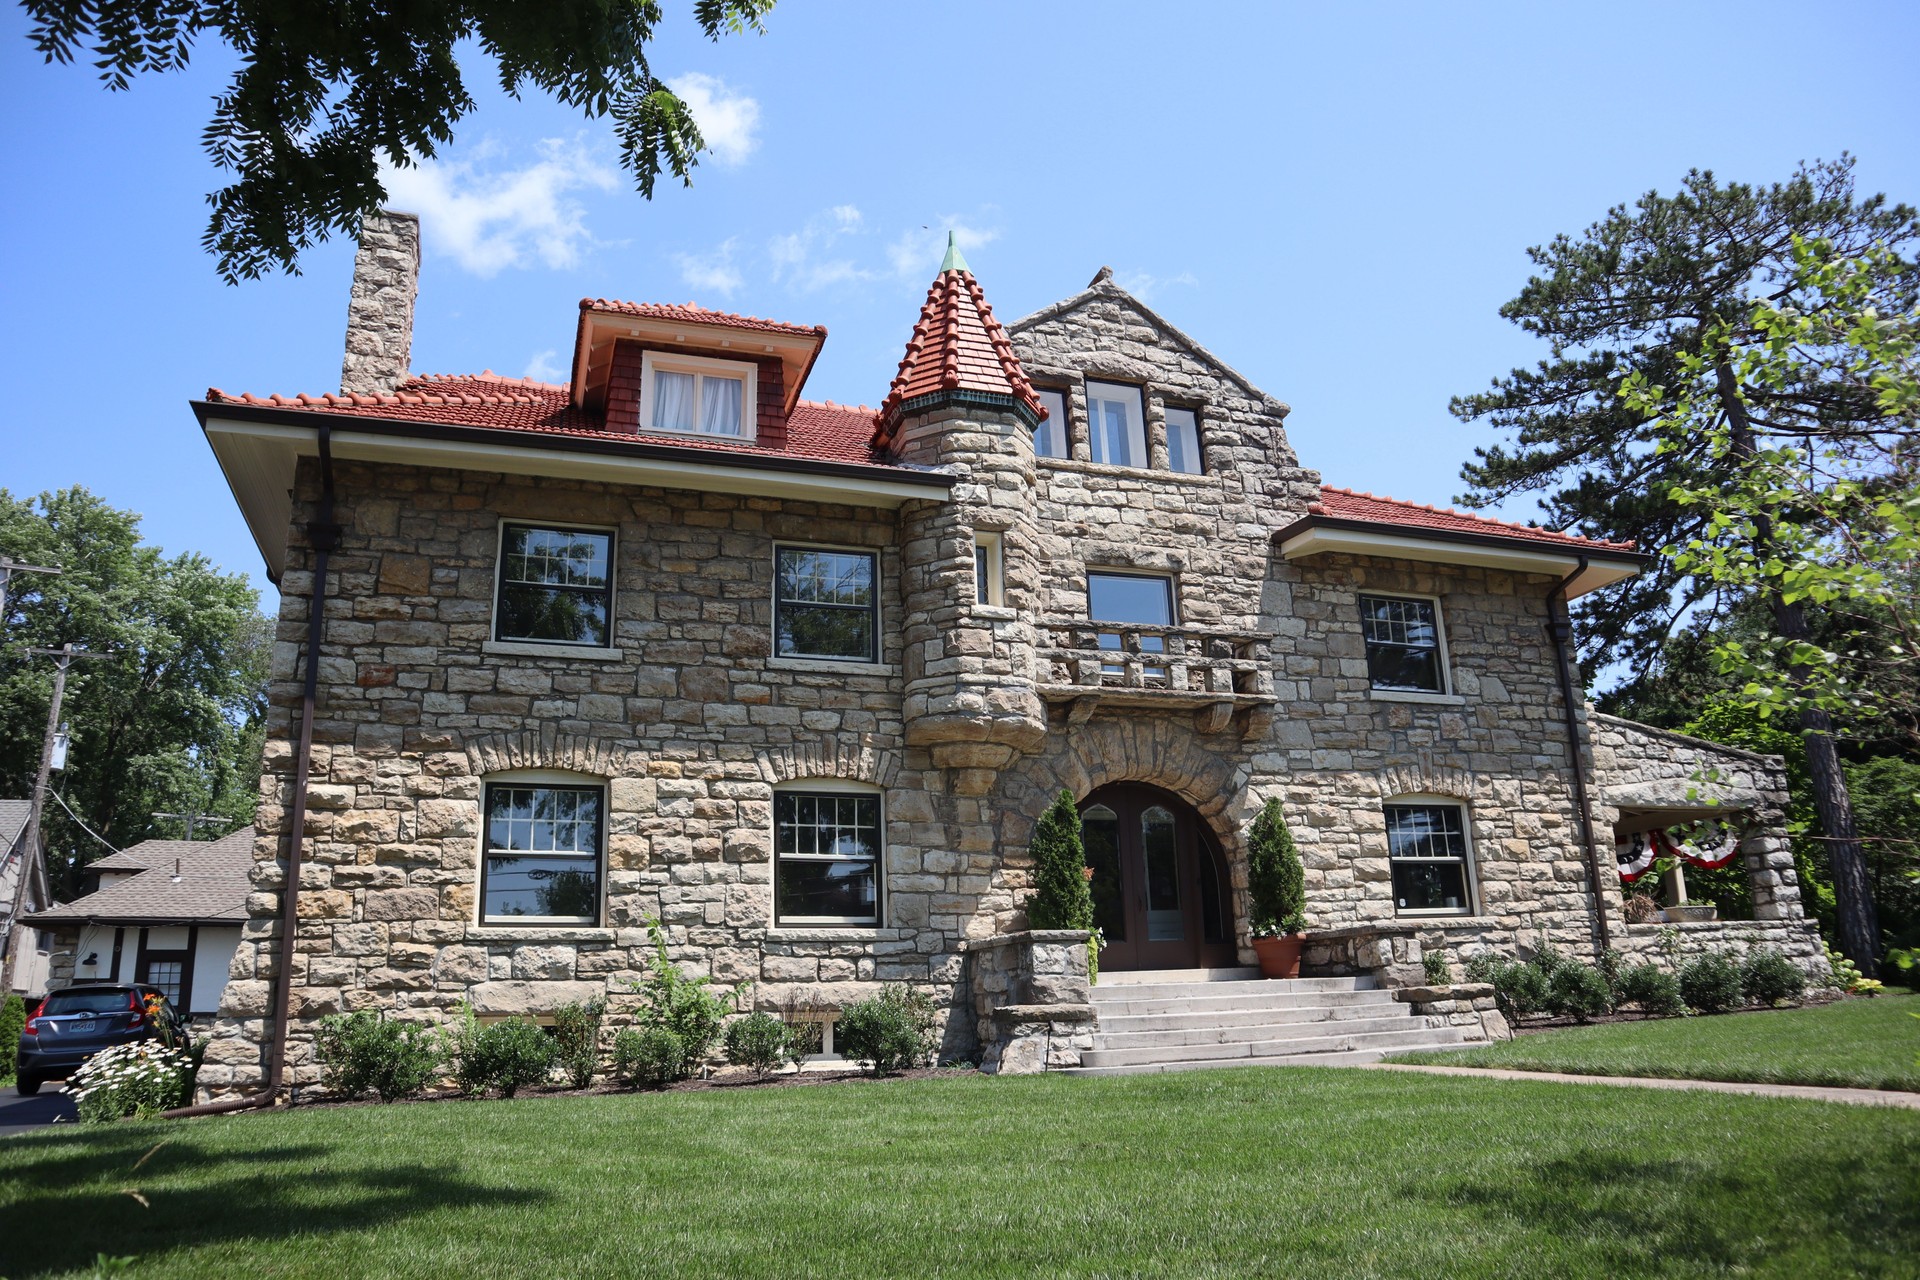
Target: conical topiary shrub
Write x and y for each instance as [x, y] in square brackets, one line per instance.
[1061, 899]
[1277, 893]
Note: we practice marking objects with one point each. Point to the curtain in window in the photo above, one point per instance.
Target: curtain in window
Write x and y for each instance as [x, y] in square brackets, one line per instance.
[673, 401]
[720, 406]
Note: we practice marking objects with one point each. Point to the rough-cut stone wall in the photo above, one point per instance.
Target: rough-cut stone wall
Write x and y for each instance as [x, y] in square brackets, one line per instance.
[1031, 1000]
[386, 279]
[692, 724]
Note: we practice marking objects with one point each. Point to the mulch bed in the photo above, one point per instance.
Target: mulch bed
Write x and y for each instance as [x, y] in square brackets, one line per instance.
[727, 1078]
[1532, 1025]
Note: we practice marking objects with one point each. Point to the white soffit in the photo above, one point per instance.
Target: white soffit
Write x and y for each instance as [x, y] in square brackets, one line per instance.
[259, 459]
[1600, 572]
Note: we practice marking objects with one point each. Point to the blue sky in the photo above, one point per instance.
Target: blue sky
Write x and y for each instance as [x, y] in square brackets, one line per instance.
[1335, 199]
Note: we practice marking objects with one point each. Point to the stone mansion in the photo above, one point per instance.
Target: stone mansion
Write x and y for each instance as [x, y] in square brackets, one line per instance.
[796, 678]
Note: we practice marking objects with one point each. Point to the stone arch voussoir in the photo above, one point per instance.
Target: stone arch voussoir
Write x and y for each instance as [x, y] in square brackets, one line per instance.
[829, 760]
[546, 748]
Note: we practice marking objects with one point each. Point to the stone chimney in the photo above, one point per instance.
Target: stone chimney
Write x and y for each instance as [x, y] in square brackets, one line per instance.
[386, 279]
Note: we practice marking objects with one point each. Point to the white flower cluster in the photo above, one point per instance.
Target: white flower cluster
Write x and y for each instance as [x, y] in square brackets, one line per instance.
[142, 1077]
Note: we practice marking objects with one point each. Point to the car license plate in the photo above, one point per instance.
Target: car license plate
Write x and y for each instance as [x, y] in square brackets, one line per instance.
[83, 1028]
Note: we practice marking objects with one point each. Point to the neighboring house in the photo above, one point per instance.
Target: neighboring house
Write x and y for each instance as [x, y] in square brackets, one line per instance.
[20, 941]
[796, 678]
[168, 912]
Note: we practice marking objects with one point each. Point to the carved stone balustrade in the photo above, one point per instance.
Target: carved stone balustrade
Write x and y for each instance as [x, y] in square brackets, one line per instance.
[1214, 672]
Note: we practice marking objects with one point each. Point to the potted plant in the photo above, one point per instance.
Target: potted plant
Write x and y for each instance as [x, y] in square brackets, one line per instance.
[1276, 889]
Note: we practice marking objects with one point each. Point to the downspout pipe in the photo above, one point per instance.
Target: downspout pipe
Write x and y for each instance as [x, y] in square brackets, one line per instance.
[323, 535]
[1560, 628]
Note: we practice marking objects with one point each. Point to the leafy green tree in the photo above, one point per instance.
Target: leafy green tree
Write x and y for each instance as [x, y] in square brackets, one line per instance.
[1635, 293]
[1816, 518]
[172, 721]
[1647, 418]
[326, 91]
[1060, 898]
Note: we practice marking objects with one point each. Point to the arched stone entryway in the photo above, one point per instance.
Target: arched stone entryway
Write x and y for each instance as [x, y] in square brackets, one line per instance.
[1162, 753]
[1162, 897]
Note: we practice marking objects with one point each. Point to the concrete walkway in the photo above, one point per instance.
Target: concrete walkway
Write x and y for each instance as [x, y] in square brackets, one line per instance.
[1859, 1097]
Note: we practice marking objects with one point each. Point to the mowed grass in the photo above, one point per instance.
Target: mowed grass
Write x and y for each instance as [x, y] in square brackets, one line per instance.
[1252, 1172]
[1860, 1044]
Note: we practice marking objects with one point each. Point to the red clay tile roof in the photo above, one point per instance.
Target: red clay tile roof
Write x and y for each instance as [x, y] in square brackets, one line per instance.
[1350, 504]
[827, 431]
[693, 313]
[957, 345]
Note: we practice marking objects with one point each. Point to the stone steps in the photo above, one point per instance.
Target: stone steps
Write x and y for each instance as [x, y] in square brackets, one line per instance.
[1176, 1022]
[1328, 1041]
[1249, 1033]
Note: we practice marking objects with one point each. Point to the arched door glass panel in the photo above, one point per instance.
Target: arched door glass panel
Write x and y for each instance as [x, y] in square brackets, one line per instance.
[1100, 838]
[1160, 848]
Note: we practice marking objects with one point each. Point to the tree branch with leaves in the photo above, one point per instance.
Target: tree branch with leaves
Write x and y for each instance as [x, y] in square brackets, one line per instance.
[327, 91]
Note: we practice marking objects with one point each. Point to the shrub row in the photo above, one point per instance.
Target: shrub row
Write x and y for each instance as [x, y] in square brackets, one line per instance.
[1555, 985]
[680, 1022]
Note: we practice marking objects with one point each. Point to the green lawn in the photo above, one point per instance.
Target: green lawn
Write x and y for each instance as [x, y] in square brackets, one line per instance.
[1247, 1173]
[1862, 1044]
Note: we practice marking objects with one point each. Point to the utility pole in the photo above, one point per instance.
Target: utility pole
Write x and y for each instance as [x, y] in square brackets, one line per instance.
[191, 819]
[8, 567]
[29, 841]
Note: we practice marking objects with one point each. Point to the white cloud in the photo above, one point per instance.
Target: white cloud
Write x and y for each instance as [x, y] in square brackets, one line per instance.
[727, 120]
[545, 366]
[1142, 285]
[916, 254]
[489, 219]
[814, 257]
[713, 272]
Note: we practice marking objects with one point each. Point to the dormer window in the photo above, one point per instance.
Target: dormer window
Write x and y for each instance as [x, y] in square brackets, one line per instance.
[692, 395]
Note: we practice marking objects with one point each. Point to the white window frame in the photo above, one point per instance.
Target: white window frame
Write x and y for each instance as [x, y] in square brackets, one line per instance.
[1137, 429]
[498, 645]
[700, 367]
[1445, 659]
[542, 778]
[876, 654]
[1058, 427]
[995, 548]
[1469, 879]
[828, 786]
[1199, 450]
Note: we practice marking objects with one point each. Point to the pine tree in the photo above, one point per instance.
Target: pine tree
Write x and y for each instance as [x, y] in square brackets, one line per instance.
[1276, 882]
[1061, 899]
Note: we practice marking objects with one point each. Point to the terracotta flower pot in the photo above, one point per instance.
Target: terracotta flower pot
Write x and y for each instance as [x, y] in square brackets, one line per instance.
[1279, 957]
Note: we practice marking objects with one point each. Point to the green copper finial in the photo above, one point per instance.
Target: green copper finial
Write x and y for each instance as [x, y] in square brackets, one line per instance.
[954, 262]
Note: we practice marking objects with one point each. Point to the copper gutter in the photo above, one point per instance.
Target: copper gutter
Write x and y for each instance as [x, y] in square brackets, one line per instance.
[1560, 628]
[324, 537]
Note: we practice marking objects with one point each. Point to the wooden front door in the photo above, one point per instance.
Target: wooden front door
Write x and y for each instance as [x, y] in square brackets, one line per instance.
[1159, 883]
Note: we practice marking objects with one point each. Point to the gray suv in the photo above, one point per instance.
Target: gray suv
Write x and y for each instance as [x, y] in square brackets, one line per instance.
[75, 1023]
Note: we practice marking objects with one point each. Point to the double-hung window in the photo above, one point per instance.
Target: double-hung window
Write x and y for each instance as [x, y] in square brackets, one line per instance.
[1116, 424]
[826, 604]
[826, 855]
[692, 395]
[542, 856]
[1050, 437]
[1404, 652]
[1429, 854]
[1183, 440]
[1143, 599]
[555, 585]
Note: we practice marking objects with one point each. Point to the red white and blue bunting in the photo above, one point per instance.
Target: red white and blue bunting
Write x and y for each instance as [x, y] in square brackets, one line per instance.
[1708, 845]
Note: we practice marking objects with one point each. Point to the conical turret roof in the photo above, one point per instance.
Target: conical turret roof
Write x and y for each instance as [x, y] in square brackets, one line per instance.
[958, 354]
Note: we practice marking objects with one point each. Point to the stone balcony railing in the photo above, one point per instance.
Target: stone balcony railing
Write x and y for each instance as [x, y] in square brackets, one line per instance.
[1214, 672]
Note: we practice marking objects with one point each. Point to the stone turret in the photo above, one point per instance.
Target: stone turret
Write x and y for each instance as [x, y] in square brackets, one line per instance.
[961, 401]
[386, 280]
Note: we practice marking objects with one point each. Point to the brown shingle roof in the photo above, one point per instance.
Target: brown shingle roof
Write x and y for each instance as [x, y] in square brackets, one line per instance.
[212, 885]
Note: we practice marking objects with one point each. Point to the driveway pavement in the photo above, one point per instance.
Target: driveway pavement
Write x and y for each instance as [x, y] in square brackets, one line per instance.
[21, 1115]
